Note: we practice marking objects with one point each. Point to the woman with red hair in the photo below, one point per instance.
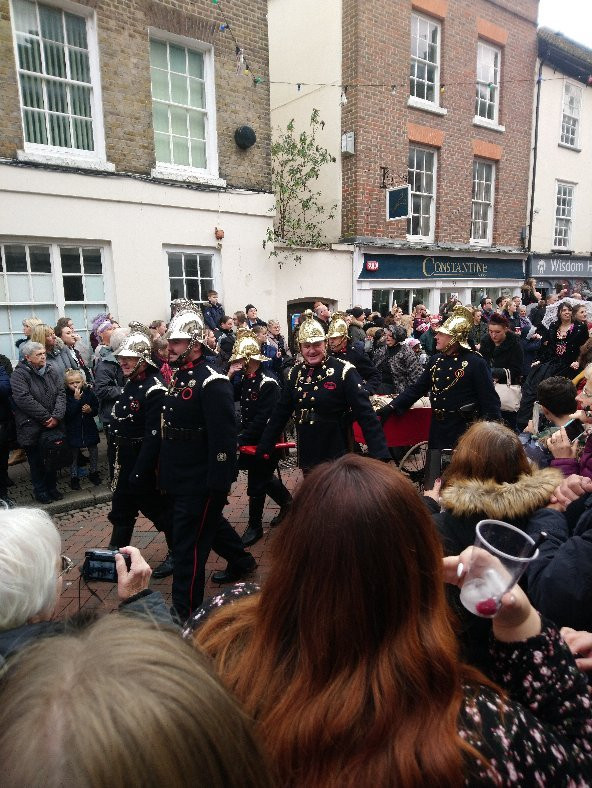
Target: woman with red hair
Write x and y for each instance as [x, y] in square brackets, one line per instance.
[348, 662]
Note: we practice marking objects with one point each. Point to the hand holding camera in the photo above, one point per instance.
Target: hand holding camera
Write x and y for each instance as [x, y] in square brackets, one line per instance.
[135, 579]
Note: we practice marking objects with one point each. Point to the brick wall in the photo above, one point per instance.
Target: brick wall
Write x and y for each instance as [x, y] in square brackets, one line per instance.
[125, 74]
[376, 43]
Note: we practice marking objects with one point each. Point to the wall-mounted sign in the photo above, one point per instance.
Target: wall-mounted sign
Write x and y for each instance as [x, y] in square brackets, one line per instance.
[409, 266]
[560, 266]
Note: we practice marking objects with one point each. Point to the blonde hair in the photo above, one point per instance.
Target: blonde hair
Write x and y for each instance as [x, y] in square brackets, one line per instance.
[70, 374]
[31, 322]
[122, 704]
[40, 332]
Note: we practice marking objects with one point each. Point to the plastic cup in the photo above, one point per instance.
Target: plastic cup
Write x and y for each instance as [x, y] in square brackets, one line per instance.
[499, 556]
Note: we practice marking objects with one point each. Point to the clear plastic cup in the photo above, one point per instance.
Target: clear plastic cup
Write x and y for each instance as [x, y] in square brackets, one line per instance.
[499, 556]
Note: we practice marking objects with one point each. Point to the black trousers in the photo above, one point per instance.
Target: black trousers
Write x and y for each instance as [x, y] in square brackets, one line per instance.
[198, 527]
[127, 503]
[261, 479]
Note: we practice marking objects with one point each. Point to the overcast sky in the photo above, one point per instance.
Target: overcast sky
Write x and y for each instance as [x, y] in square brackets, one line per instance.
[573, 18]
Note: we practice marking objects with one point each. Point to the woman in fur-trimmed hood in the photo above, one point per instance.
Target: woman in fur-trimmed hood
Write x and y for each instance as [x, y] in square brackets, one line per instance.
[489, 477]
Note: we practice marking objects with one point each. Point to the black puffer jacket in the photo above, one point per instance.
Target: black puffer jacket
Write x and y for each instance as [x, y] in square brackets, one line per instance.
[108, 383]
[36, 398]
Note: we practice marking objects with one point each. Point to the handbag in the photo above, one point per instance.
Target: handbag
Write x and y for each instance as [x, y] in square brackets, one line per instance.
[54, 449]
[509, 394]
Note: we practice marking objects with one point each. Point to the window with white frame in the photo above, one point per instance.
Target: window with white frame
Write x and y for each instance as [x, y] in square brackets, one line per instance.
[58, 79]
[482, 210]
[570, 118]
[563, 215]
[488, 81]
[190, 275]
[422, 179]
[46, 280]
[182, 106]
[424, 78]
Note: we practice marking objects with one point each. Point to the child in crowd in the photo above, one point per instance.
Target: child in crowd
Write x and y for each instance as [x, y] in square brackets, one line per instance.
[82, 406]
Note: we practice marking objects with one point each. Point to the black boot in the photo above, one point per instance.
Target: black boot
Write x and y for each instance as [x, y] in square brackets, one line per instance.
[255, 530]
[279, 493]
[165, 568]
[121, 536]
[234, 574]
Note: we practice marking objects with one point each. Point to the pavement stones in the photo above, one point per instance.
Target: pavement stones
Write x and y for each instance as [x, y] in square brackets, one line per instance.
[82, 521]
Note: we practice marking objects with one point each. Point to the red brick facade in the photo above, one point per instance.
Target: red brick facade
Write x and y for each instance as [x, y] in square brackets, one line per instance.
[376, 46]
[125, 75]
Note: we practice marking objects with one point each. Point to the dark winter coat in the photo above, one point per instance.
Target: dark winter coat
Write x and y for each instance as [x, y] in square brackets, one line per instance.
[36, 398]
[508, 355]
[366, 368]
[560, 579]
[428, 342]
[81, 429]
[108, 383]
[464, 503]
[5, 390]
[213, 313]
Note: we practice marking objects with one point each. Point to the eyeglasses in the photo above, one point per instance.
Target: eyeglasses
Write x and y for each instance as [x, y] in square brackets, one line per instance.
[67, 564]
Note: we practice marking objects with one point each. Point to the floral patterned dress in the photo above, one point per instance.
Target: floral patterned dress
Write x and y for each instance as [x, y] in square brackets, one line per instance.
[539, 735]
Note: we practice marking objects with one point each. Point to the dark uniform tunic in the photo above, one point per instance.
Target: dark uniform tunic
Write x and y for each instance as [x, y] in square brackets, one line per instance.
[367, 371]
[463, 378]
[259, 394]
[197, 467]
[135, 431]
[321, 398]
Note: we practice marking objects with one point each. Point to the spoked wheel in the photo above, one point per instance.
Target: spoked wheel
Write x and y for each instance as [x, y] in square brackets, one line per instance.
[413, 464]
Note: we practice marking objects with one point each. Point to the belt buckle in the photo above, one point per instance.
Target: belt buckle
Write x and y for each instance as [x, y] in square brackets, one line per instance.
[439, 414]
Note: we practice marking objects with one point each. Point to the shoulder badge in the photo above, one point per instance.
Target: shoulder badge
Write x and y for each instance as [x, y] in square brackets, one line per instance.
[347, 367]
[158, 386]
[265, 379]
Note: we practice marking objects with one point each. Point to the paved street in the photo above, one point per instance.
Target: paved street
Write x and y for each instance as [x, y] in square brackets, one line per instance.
[82, 529]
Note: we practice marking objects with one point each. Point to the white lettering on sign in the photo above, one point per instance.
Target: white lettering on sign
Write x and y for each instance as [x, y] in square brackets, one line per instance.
[371, 265]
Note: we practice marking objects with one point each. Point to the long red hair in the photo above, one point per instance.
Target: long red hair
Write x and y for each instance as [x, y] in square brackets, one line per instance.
[347, 659]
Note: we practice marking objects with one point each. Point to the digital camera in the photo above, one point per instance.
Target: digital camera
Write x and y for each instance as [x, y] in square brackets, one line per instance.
[99, 565]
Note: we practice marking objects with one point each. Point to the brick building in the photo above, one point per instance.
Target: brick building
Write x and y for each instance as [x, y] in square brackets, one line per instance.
[118, 158]
[560, 227]
[436, 94]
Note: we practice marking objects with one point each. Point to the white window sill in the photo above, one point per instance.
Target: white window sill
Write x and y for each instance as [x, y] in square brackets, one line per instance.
[419, 239]
[487, 124]
[426, 106]
[569, 147]
[66, 160]
[186, 175]
[479, 244]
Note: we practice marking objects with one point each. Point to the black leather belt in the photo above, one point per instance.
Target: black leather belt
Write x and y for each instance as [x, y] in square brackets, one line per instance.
[306, 416]
[440, 414]
[181, 434]
[121, 440]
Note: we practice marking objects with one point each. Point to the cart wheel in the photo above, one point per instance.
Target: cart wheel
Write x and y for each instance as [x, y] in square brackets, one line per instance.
[413, 464]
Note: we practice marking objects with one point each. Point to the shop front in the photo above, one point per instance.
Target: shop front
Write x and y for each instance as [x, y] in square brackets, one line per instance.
[554, 273]
[383, 280]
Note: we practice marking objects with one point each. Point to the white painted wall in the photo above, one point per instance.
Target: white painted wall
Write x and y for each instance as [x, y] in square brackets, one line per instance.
[556, 162]
[137, 220]
[305, 47]
[323, 274]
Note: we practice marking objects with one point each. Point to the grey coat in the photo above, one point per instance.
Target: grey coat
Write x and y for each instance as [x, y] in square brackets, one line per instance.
[404, 365]
[61, 360]
[36, 398]
[108, 383]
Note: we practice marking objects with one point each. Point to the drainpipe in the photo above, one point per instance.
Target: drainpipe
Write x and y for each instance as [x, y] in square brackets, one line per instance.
[535, 155]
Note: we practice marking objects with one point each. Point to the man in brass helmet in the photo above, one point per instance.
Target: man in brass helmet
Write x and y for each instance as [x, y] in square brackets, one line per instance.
[320, 393]
[135, 431]
[458, 381]
[198, 460]
[341, 346]
[258, 394]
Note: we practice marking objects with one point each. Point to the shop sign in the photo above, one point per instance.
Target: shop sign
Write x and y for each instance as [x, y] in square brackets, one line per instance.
[561, 266]
[394, 266]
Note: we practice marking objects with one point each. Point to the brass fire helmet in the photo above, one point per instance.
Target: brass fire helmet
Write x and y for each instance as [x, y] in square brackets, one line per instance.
[137, 344]
[310, 329]
[246, 347]
[338, 326]
[458, 325]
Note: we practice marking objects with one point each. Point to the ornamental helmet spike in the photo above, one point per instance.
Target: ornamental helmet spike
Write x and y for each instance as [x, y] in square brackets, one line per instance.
[338, 326]
[310, 329]
[186, 321]
[246, 347]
